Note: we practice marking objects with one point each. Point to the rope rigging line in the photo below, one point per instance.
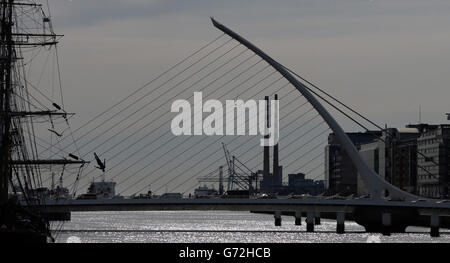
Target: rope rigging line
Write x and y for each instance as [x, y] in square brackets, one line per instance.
[22, 153]
[32, 135]
[31, 104]
[46, 142]
[59, 77]
[29, 126]
[16, 124]
[28, 83]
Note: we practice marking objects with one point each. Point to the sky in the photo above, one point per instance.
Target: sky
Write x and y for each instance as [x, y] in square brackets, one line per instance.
[384, 58]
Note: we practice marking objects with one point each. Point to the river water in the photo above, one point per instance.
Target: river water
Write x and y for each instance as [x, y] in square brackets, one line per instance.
[216, 226]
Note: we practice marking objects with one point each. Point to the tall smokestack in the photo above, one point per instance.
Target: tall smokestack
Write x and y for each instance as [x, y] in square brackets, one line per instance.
[276, 169]
[220, 180]
[266, 168]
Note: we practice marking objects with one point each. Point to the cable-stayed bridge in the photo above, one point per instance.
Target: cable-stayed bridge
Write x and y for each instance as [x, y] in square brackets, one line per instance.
[133, 135]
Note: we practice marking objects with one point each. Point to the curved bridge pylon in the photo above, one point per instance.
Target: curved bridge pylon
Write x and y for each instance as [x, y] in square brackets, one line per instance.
[379, 189]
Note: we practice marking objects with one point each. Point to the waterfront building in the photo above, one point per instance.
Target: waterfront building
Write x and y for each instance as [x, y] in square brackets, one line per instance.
[394, 156]
[205, 192]
[341, 175]
[298, 184]
[434, 162]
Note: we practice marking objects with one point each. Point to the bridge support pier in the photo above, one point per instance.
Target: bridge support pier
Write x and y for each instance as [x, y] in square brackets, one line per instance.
[298, 218]
[277, 216]
[386, 222]
[317, 218]
[340, 222]
[434, 224]
[310, 222]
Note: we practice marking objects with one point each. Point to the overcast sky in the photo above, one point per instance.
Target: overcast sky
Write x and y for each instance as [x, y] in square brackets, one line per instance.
[384, 58]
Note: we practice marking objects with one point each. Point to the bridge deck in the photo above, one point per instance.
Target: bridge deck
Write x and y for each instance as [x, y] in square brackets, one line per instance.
[238, 204]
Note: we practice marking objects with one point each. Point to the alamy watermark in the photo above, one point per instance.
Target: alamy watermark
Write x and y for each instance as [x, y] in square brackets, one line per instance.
[228, 120]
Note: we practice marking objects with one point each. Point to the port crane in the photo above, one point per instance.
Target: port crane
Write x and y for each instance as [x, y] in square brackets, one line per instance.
[240, 177]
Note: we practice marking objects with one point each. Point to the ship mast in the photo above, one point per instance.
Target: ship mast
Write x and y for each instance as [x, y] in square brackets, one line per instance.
[6, 48]
[10, 40]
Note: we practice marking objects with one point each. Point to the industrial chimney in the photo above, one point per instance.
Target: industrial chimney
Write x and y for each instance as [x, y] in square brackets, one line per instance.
[276, 167]
[266, 166]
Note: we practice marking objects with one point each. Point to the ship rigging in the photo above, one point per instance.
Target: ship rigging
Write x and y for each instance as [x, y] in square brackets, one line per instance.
[28, 114]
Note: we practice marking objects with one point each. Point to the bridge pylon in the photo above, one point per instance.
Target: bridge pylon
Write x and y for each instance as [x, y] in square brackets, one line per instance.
[379, 188]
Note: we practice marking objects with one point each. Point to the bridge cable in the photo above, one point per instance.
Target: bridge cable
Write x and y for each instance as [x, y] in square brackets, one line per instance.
[165, 113]
[237, 137]
[222, 96]
[360, 115]
[252, 147]
[147, 145]
[152, 81]
[204, 148]
[233, 70]
[155, 99]
[212, 144]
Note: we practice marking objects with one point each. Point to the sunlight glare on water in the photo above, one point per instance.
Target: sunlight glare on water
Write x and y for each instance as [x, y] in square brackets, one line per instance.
[217, 226]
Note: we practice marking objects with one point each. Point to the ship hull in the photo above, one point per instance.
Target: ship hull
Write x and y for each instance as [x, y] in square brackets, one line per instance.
[21, 236]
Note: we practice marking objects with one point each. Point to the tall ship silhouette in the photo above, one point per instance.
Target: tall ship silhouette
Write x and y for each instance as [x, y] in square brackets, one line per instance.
[32, 119]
